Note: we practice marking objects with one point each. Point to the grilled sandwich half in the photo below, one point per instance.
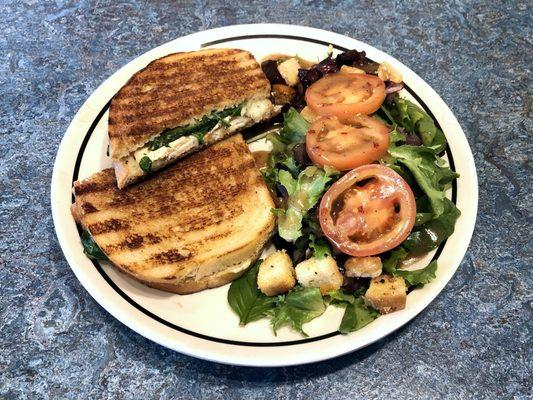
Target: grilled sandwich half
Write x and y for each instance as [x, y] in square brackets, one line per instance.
[181, 103]
[197, 224]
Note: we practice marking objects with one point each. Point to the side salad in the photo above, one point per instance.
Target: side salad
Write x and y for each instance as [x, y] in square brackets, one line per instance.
[359, 185]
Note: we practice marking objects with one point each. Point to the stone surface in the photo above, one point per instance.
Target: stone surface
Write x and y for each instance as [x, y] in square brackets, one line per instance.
[473, 341]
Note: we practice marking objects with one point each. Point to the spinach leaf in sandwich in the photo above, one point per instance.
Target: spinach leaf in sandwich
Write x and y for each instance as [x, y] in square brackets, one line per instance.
[90, 248]
[197, 129]
[146, 164]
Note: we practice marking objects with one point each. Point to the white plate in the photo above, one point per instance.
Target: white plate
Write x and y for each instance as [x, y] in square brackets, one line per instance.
[202, 324]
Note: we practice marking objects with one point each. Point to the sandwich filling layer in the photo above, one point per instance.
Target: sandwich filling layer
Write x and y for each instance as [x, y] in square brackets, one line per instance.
[211, 128]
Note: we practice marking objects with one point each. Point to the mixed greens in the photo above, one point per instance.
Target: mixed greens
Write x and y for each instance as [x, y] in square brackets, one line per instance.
[300, 185]
[415, 145]
[294, 309]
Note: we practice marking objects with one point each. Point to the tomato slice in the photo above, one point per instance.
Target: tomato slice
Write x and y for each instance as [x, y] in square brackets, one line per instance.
[345, 95]
[368, 211]
[344, 147]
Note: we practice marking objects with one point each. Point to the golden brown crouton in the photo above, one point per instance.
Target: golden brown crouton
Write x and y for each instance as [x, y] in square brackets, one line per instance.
[288, 69]
[345, 69]
[386, 293]
[283, 94]
[387, 73]
[321, 273]
[363, 267]
[276, 274]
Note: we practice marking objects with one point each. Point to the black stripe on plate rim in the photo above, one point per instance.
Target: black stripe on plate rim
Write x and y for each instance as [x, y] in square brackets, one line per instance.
[169, 324]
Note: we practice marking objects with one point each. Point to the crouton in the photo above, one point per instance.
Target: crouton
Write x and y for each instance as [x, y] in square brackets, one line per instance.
[386, 294]
[283, 94]
[288, 69]
[309, 115]
[363, 267]
[387, 73]
[276, 274]
[345, 69]
[321, 273]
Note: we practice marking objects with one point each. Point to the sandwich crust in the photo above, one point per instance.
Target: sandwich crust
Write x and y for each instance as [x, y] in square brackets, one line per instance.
[177, 90]
[198, 224]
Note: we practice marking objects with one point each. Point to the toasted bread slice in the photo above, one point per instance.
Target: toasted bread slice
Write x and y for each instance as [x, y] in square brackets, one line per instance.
[177, 91]
[198, 224]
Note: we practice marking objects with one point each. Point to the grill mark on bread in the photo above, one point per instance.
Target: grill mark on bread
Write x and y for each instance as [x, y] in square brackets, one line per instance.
[170, 256]
[134, 241]
[164, 83]
[88, 208]
[153, 239]
[184, 87]
[91, 187]
[170, 61]
[111, 225]
[144, 114]
[180, 215]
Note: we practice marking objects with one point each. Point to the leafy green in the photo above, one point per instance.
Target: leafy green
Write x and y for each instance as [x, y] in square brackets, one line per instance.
[304, 194]
[197, 129]
[396, 136]
[294, 127]
[412, 278]
[90, 248]
[320, 246]
[428, 234]
[419, 276]
[390, 264]
[425, 167]
[356, 316]
[146, 164]
[245, 298]
[415, 120]
[340, 297]
[299, 306]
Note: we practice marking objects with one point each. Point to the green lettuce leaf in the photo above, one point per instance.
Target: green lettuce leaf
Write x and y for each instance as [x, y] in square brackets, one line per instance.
[428, 234]
[304, 194]
[245, 298]
[320, 246]
[420, 276]
[417, 277]
[356, 316]
[390, 265]
[425, 167]
[298, 307]
[340, 297]
[414, 119]
[294, 127]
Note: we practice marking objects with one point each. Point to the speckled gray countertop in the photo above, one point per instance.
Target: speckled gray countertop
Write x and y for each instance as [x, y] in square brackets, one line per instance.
[473, 341]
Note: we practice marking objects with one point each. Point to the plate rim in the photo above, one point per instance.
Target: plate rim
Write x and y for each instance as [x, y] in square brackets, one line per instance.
[304, 32]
